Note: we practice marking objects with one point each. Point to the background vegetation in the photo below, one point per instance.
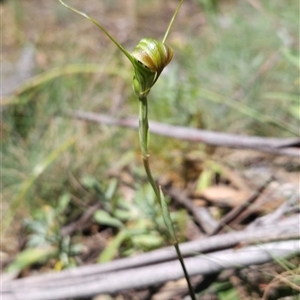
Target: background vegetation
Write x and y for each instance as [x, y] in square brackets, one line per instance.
[235, 69]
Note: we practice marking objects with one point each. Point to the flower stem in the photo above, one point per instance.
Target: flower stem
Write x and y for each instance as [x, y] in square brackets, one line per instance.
[172, 21]
[144, 142]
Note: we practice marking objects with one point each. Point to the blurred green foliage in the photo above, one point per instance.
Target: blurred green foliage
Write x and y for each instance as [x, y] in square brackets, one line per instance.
[237, 71]
[45, 241]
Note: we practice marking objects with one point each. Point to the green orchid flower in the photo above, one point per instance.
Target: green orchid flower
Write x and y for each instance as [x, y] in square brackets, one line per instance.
[148, 58]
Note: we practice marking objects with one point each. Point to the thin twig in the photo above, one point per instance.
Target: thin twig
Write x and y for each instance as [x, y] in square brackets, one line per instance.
[234, 213]
[200, 214]
[279, 146]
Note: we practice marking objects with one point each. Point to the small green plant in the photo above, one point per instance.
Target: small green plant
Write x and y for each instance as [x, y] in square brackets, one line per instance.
[138, 224]
[45, 240]
[148, 59]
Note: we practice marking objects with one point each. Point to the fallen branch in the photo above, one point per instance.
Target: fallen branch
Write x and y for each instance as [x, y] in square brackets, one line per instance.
[160, 265]
[93, 284]
[280, 146]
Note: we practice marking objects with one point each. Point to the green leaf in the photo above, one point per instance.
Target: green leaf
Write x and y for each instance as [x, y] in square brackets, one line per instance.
[166, 216]
[112, 249]
[112, 187]
[63, 202]
[204, 180]
[217, 287]
[149, 240]
[123, 215]
[103, 218]
[76, 249]
[37, 240]
[91, 183]
[142, 224]
[128, 211]
[230, 294]
[31, 256]
[37, 227]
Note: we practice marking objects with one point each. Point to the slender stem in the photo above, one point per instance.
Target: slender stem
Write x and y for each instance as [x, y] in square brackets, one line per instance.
[143, 125]
[144, 135]
[172, 21]
[101, 27]
[186, 274]
[144, 140]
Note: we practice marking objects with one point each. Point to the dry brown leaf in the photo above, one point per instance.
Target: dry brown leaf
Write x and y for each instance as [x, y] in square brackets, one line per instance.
[171, 289]
[224, 196]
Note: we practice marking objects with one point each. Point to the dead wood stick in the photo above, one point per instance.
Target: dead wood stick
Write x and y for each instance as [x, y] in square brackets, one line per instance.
[280, 146]
[200, 214]
[89, 285]
[287, 228]
[291, 205]
[235, 212]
